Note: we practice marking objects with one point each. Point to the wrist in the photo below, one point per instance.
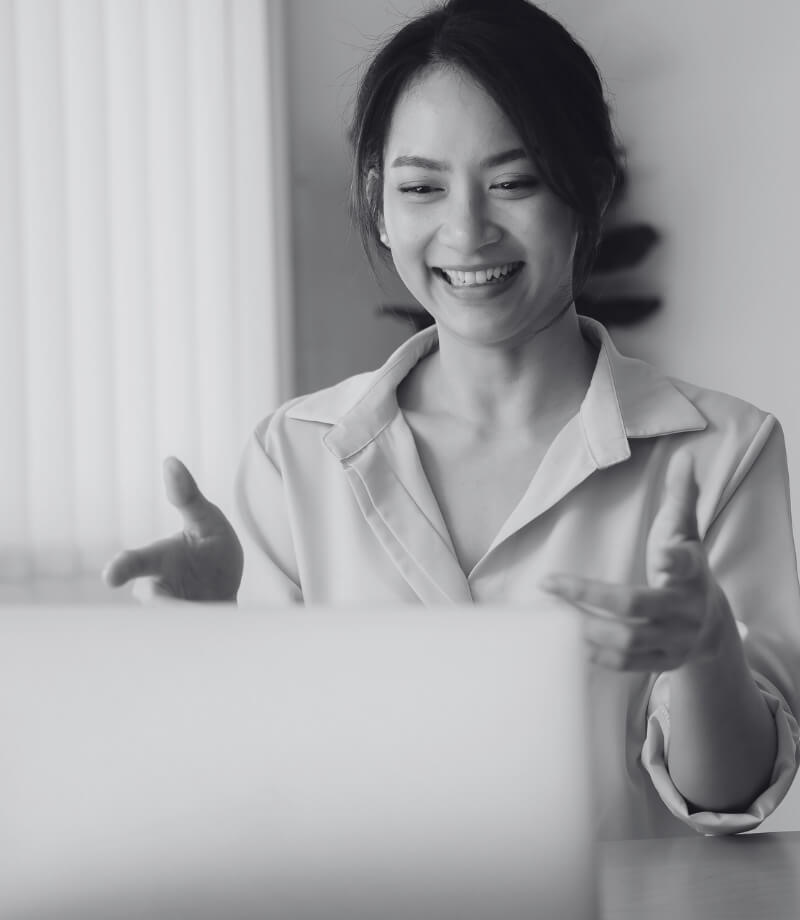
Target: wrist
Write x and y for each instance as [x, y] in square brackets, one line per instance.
[720, 666]
[717, 660]
[719, 638]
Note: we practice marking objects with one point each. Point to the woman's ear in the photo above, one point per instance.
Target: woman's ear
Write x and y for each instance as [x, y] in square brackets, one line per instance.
[373, 195]
[382, 234]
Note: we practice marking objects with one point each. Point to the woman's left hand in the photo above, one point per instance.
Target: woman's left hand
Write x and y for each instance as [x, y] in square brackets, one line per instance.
[681, 614]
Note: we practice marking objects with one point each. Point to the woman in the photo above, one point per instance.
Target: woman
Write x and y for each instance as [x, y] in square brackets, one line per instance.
[510, 448]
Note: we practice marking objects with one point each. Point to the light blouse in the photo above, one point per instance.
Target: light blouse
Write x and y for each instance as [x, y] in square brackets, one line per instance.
[334, 508]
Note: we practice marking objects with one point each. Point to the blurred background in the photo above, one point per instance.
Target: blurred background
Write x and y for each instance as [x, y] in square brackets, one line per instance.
[176, 257]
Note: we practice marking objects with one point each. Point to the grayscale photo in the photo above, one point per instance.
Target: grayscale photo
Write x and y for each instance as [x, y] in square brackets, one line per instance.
[401, 460]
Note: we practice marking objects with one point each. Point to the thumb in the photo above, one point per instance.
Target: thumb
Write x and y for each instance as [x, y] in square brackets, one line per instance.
[673, 539]
[183, 493]
[677, 516]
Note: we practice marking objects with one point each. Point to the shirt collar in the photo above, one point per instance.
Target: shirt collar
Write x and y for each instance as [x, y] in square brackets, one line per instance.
[360, 407]
[629, 398]
[626, 398]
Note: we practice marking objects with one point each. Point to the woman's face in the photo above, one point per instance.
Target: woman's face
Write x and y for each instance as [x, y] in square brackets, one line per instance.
[475, 235]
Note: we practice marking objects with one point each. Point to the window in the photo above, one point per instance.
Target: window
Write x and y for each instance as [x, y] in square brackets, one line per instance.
[144, 263]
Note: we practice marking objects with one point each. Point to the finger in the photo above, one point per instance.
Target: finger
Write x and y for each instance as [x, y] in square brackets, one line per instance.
[150, 591]
[184, 494]
[623, 635]
[182, 490]
[633, 641]
[606, 598]
[136, 563]
[614, 660]
[674, 565]
[616, 648]
[679, 506]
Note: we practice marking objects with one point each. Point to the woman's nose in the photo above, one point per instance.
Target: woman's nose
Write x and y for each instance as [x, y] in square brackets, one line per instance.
[467, 226]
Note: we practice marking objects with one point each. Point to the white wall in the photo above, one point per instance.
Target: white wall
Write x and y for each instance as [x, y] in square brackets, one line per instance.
[706, 96]
[337, 330]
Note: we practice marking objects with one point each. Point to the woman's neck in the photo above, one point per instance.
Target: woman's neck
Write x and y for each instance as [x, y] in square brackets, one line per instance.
[501, 388]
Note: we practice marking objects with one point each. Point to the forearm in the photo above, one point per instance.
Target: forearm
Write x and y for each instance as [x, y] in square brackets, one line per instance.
[723, 743]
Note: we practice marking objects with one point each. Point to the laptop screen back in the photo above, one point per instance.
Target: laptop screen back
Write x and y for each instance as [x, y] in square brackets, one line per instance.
[212, 762]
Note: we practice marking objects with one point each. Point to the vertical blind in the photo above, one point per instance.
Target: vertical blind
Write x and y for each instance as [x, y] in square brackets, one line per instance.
[144, 263]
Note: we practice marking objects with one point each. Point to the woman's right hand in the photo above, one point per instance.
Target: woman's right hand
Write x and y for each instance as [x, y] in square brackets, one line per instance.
[203, 562]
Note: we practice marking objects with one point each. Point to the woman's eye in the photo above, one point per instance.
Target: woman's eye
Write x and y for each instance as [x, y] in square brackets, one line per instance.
[418, 189]
[515, 185]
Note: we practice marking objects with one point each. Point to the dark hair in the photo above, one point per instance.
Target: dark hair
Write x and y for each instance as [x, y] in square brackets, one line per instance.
[540, 77]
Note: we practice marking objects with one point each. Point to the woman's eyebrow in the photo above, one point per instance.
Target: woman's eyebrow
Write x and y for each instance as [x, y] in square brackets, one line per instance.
[497, 159]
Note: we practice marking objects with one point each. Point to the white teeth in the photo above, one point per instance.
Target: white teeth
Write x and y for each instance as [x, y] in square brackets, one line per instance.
[483, 276]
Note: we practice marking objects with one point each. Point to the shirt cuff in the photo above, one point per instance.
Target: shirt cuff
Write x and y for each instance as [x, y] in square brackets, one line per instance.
[654, 760]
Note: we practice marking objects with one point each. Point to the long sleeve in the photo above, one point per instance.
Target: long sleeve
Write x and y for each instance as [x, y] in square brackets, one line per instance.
[262, 522]
[751, 552]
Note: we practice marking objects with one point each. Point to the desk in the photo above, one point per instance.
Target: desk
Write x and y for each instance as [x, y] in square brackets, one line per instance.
[745, 877]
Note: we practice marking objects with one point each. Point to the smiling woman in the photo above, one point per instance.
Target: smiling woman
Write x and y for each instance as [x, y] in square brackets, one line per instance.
[472, 229]
[514, 58]
[510, 449]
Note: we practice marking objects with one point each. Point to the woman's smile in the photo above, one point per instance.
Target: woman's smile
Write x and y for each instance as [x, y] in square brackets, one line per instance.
[479, 284]
[478, 277]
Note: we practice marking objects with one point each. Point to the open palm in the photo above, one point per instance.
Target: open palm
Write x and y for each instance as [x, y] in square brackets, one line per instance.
[203, 562]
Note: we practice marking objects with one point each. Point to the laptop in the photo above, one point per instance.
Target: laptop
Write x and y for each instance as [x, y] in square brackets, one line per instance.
[200, 762]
